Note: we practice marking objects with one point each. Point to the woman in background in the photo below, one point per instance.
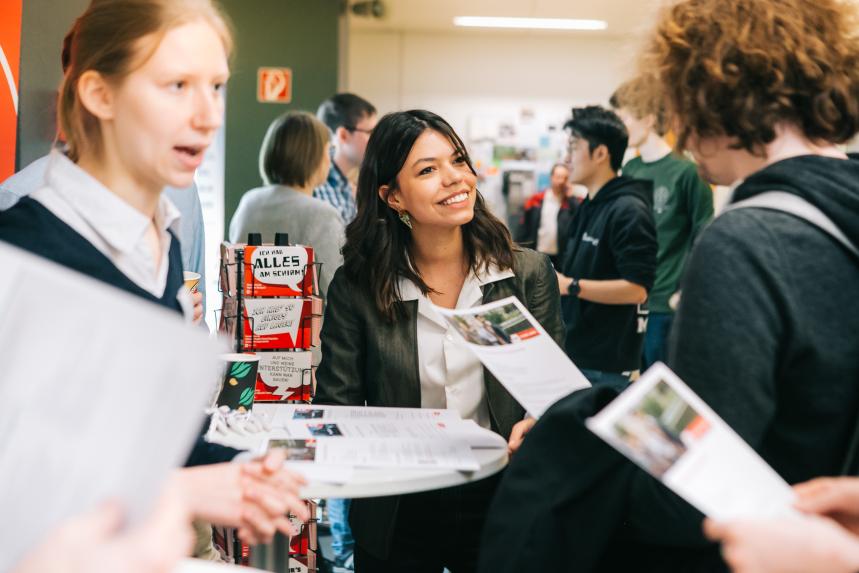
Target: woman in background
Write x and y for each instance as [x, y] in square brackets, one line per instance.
[294, 158]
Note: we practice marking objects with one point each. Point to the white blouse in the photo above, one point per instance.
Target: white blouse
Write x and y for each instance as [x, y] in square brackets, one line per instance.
[451, 376]
[114, 227]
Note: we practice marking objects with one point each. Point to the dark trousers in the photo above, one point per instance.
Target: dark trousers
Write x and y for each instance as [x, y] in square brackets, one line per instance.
[435, 530]
[656, 338]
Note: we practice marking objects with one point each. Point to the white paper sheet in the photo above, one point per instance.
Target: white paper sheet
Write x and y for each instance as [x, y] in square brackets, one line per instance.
[322, 473]
[510, 342]
[390, 453]
[280, 414]
[466, 431]
[102, 395]
[200, 566]
[664, 427]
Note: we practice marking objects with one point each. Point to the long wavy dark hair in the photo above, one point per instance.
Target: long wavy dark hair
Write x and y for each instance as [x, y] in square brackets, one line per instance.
[378, 246]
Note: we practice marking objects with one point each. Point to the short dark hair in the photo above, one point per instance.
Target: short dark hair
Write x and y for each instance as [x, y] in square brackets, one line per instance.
[292, 149]
[600, 126]
[344, 110]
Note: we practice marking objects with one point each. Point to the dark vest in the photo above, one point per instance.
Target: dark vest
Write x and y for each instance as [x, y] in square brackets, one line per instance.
[30, 226]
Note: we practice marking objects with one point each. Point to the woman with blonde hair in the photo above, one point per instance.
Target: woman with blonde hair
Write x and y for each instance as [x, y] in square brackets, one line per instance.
[762, 93]
[140, 102]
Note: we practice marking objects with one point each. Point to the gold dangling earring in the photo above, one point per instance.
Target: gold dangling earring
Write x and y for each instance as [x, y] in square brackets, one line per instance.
[406, 219]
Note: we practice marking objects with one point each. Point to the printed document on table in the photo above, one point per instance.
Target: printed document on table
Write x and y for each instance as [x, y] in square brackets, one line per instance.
[664, 427]
[200, 566]
[280, 414]
[518, 351]
[374, 453]
[102, 394]
[466, 431]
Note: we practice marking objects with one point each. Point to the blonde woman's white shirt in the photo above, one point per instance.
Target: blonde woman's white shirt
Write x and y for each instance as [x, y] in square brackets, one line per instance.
[114, 227]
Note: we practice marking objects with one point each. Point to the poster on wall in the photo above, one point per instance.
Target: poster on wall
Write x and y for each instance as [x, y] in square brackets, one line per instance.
[10, 60]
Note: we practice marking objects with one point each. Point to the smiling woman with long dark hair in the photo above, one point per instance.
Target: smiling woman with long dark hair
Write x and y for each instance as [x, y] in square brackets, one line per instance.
[423, 237]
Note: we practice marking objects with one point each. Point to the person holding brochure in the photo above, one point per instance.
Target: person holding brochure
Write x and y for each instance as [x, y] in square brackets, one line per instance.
[139, 104]
[762, 92]
[187, 201]
[826, 540]
[610, 261]
[422, 238]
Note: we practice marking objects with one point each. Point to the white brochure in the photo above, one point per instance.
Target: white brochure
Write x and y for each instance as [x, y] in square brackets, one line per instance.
[280, 414]
[102, 393]
[199, 566]
[518, 351]
[466, 431]
[373, 453]
[284, 371]
[665, 428]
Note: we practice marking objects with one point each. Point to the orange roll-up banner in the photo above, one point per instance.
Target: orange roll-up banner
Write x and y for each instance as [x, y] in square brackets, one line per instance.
[10, 60]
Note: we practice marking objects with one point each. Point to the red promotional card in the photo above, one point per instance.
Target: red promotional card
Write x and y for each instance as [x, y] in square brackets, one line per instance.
[277, 323]
[278, 271]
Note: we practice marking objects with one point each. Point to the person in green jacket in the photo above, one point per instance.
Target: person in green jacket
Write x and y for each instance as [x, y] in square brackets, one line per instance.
[682, 203]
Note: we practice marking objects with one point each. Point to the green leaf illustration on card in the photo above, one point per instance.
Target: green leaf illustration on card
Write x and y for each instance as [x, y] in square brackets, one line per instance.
[247, 397]
[240, 369]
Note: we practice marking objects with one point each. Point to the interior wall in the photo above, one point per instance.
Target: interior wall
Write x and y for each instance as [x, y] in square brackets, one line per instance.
[44, 25]
[461, 74]
[298, 34]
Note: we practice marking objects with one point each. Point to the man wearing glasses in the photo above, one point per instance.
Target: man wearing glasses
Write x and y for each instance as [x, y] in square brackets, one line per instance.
[610, 260]
[351, 120]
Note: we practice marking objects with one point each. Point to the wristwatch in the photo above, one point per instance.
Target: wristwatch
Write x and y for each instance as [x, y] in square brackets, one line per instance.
[574, 289]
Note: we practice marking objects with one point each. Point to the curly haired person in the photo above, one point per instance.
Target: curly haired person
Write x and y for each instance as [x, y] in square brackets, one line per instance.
[762, 92]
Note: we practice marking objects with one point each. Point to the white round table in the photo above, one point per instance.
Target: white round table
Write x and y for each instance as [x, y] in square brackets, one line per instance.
[377, 482]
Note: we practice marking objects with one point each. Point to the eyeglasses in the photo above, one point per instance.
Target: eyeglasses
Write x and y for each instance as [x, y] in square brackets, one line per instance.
[353, 128]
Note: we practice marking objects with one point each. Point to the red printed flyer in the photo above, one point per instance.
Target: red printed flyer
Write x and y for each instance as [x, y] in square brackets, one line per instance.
[277, 323]
[278, 271]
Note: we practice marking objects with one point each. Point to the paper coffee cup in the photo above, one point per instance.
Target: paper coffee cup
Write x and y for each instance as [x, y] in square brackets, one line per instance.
[239, 381]
[191, 280]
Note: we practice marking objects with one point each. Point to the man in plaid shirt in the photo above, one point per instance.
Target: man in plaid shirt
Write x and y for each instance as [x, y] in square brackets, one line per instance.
[351, 120]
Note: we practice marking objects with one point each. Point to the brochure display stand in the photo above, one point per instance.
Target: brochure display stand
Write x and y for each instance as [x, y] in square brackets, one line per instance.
[272, 308]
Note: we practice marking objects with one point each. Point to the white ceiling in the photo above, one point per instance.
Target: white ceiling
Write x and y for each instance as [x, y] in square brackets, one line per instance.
[624, 17]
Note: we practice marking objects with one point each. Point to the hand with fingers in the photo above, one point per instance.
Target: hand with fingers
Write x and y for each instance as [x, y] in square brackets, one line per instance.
[797, 544]
[836, 498]
[95, 542]
[197, 299]
[255, 497]
[517, 435]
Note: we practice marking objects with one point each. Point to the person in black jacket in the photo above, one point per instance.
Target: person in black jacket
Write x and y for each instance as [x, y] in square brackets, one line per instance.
[610, 261]
[422, 238]
[545, 222]
[766, 328]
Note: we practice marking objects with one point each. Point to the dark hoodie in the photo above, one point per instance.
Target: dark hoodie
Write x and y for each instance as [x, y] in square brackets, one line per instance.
[768, 328]
[767, 333]
[613, 236]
